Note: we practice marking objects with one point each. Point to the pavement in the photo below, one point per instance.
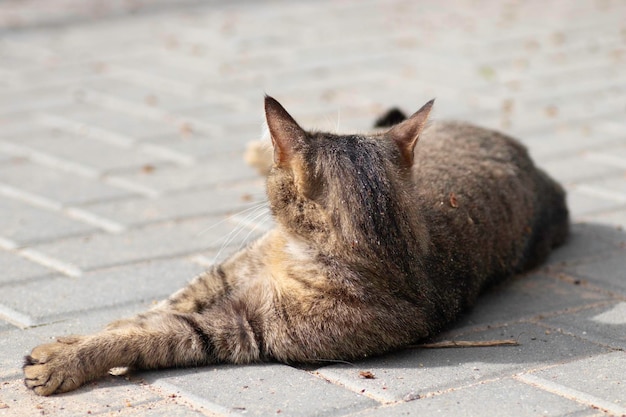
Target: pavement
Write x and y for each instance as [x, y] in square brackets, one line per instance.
[122, 129]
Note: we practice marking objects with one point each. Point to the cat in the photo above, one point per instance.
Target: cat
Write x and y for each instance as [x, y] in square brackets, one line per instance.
[379, 243]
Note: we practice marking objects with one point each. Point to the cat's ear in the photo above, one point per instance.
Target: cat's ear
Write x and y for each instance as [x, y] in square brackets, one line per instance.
[406, 134]
[287, 136]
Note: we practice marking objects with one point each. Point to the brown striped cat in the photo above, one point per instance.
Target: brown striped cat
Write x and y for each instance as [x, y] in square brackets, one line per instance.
[379, 243]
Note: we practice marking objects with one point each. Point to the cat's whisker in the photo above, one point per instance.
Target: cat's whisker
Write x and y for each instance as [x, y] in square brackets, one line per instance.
[239, 228]
[227, 218]
[255, 226]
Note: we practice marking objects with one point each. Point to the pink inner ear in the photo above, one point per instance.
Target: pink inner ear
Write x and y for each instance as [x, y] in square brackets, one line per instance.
[406, 134]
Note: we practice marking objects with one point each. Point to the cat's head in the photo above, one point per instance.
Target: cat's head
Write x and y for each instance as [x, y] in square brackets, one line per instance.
[346, 189]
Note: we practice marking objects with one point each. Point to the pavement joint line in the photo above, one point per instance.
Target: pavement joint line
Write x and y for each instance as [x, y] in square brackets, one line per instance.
[120, 104]
[166, 153]
[73, 212]
[95, 220]
[594, 191]
[93, 132]
[355, 386]
[194, 400]
[16, 318]
[49, 160]
[145, 79]
[571, 394]
[131, 186]
[29, 198]
[612, 160]
[8, 244]
[50, 262]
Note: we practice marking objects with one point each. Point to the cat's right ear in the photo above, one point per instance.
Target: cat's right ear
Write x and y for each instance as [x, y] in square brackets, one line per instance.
[287, 136]
[406, 133]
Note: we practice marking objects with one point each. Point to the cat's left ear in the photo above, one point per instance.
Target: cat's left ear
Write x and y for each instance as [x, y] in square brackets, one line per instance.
[287, 135]
[406, 134]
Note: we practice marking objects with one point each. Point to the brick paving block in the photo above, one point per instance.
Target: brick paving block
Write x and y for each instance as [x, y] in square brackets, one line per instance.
[266, 389]
[139, 95]
[108, 395]
[164, 240]
[583, 202]
[600, 376]
[528, 296]
[575, 169]
[608, 272]
[409, 373]
[615, 218]
[91, 116]
[17, 269]
[34, 99]
[587, 241]
[603, 325]
[25, 224]
[202, 202]
[210, 173]
[83, 150]
[57, 298]
[501, 397]
[197, 144]
[59, 185]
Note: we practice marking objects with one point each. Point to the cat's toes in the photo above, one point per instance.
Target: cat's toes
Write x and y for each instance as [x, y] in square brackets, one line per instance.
[48, 369]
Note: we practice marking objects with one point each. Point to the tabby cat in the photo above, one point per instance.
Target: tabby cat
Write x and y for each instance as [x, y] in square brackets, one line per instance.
[376, 246]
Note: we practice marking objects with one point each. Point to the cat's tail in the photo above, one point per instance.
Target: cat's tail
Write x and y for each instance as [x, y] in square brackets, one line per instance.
[551, 222]
[391, 118]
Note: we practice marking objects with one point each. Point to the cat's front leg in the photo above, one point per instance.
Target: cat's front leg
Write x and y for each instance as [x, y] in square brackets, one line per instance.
[157, 339]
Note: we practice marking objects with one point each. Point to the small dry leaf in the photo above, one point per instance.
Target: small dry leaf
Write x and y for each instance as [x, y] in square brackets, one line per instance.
[552, 111]
[186, 128]
[367, 375]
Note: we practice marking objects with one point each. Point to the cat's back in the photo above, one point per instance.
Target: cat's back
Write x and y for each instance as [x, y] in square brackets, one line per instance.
[485, 202]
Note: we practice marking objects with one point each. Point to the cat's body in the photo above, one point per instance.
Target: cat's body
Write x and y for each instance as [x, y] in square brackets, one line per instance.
[376, 247]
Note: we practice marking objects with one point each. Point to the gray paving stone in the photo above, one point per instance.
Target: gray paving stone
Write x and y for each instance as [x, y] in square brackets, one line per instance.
[501, 397]
[615, 218]
[57, 298]
[60, 185]
[25, 224]
[117, 121]
[599, 376]
[210, 173]
[166, 240]
[409, 373]
[608, 272]
[83, 150]
[529, 296]
[575, 169]
[588, 240]
[583, 203]
[107, 396]
[605, 325]
[17, 269]
[140, 211]
[259, 390]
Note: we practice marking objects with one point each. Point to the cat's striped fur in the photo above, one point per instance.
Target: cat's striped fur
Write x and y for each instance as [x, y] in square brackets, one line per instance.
[376, 247]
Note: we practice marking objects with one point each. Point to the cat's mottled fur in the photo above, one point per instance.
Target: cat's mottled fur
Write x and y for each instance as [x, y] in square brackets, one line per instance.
[376, 247]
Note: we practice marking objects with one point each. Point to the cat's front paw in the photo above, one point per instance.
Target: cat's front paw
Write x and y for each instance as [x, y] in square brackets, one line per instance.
[54, 367]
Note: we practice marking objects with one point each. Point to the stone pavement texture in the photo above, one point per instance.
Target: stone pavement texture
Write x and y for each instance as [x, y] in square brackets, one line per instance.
[122, 126]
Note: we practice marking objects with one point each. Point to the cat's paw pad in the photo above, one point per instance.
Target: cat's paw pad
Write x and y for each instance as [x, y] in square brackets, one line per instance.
[49, 368]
